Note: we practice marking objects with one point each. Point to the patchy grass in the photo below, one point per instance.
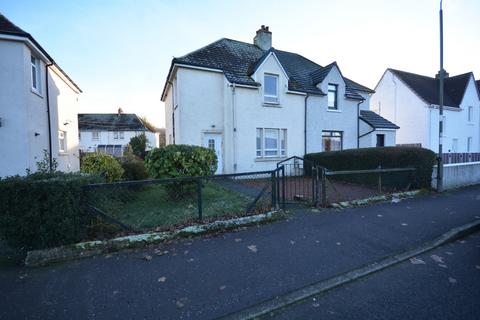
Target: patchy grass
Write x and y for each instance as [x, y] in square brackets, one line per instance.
[151, 207]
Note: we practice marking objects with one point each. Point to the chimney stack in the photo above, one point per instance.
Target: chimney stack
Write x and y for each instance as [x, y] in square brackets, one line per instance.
[263, 39]
[120, 111]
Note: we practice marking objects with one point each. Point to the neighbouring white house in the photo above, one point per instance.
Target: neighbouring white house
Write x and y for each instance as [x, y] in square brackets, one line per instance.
[38, 106]
[256, 105]
[111, 132]
[411, 101]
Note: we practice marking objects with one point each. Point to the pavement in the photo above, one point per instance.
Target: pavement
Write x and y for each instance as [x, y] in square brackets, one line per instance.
[208, 277]
[441, 284]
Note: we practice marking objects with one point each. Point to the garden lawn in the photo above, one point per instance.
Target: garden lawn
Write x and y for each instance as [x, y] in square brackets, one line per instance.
[150, 206]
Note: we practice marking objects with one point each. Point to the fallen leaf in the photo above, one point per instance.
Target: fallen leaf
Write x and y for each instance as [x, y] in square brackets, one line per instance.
[23, 276]
[115, 292]
[436, 258]
[252, 248]
[222, 287]
[404, 224]
[147, 257]
[477, 267]
[185, 252]
[238, 239]
[292, 242]
[415, 260]
[379, 215]
[449, 253]
[452, 280]
[181, 302]
[191, 260]
[315, 305]
[162, 279]
[339, 243]
[443, 266]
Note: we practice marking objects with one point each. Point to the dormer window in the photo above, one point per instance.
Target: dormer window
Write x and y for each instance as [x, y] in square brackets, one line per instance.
[332, 96]
[270, 88]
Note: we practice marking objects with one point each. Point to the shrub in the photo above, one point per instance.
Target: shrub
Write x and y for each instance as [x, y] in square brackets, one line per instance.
[139, 145]
[44, 210]
[103, 164]
[387, 157]
[133, 169]
[174, 161]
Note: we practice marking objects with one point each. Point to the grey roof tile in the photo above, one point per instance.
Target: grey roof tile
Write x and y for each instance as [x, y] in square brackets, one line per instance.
[376, 121]
[428, 88]
[110, 122]
[239, 60]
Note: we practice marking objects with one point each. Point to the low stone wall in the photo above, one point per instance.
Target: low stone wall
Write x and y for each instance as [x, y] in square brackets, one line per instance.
[457, 175]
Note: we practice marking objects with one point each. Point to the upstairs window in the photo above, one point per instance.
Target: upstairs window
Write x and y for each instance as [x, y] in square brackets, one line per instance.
[35, 65]
[332, 96]
[470, 114]
[270, 90]
[62, 141]
[95, 135]
[118, 135]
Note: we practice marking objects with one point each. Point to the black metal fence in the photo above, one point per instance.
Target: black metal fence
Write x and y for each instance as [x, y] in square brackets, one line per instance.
[163, 203]
[350, 185]
[448, 158]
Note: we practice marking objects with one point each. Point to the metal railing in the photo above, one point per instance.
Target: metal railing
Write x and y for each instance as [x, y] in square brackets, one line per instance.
[465, 157]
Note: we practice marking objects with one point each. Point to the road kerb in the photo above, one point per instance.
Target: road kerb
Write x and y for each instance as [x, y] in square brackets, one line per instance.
[273, 305]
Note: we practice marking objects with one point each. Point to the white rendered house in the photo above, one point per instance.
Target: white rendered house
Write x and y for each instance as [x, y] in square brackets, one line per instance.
[256, 105]
[38, 106]
[411, 101]
[111, 132]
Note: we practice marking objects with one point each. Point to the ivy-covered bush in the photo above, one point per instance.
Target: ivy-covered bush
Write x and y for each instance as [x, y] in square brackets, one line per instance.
[387, 157]
[175, 161]
[102, 164]
[44, 210]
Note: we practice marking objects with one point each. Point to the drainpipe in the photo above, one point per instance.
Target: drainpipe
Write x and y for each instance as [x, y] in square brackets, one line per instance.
[50, 149]
[358, 123]
[305, 126]
[234, 123]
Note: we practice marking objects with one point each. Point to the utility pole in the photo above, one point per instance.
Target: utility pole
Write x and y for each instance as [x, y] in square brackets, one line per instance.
[440, 124]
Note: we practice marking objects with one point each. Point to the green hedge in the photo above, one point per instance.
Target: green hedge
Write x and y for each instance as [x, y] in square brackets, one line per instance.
[387, 157]
[44, 210]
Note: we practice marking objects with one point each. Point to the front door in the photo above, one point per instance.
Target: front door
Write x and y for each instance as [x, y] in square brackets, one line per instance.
[214, 141]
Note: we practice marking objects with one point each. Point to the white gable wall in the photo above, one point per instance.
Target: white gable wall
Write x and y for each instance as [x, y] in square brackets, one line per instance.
[397, 103]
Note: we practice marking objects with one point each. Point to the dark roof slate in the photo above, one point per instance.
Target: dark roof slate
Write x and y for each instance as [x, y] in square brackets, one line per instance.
[9, 28]
[110, 122]
[239, 60]
[376, 121]
[428, 88]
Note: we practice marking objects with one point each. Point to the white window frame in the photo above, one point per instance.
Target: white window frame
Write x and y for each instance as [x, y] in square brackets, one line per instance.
[332, 134]
[268, 98]
[35, 74]
[62, 136]
[470, 114]
[469, 144]
[335, 101]
[121, 135]
[281, 151]
[95, 135]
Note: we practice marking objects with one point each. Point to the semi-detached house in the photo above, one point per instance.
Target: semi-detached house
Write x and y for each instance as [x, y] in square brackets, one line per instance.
[38, 106]
[256, 105]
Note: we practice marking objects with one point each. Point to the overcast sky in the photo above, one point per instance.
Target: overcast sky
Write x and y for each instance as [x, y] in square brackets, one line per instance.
[119, 51]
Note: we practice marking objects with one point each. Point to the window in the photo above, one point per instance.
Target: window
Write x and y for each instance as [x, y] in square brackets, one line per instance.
[332, 96]
[62, 141]
[332, 140]
[454, 145]
[118, 135]
[380, 140]
[271, 143]
[470, 114]
[270, 90]
[95, 135]
[35, 65]
[211, 144]
[469, 144]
